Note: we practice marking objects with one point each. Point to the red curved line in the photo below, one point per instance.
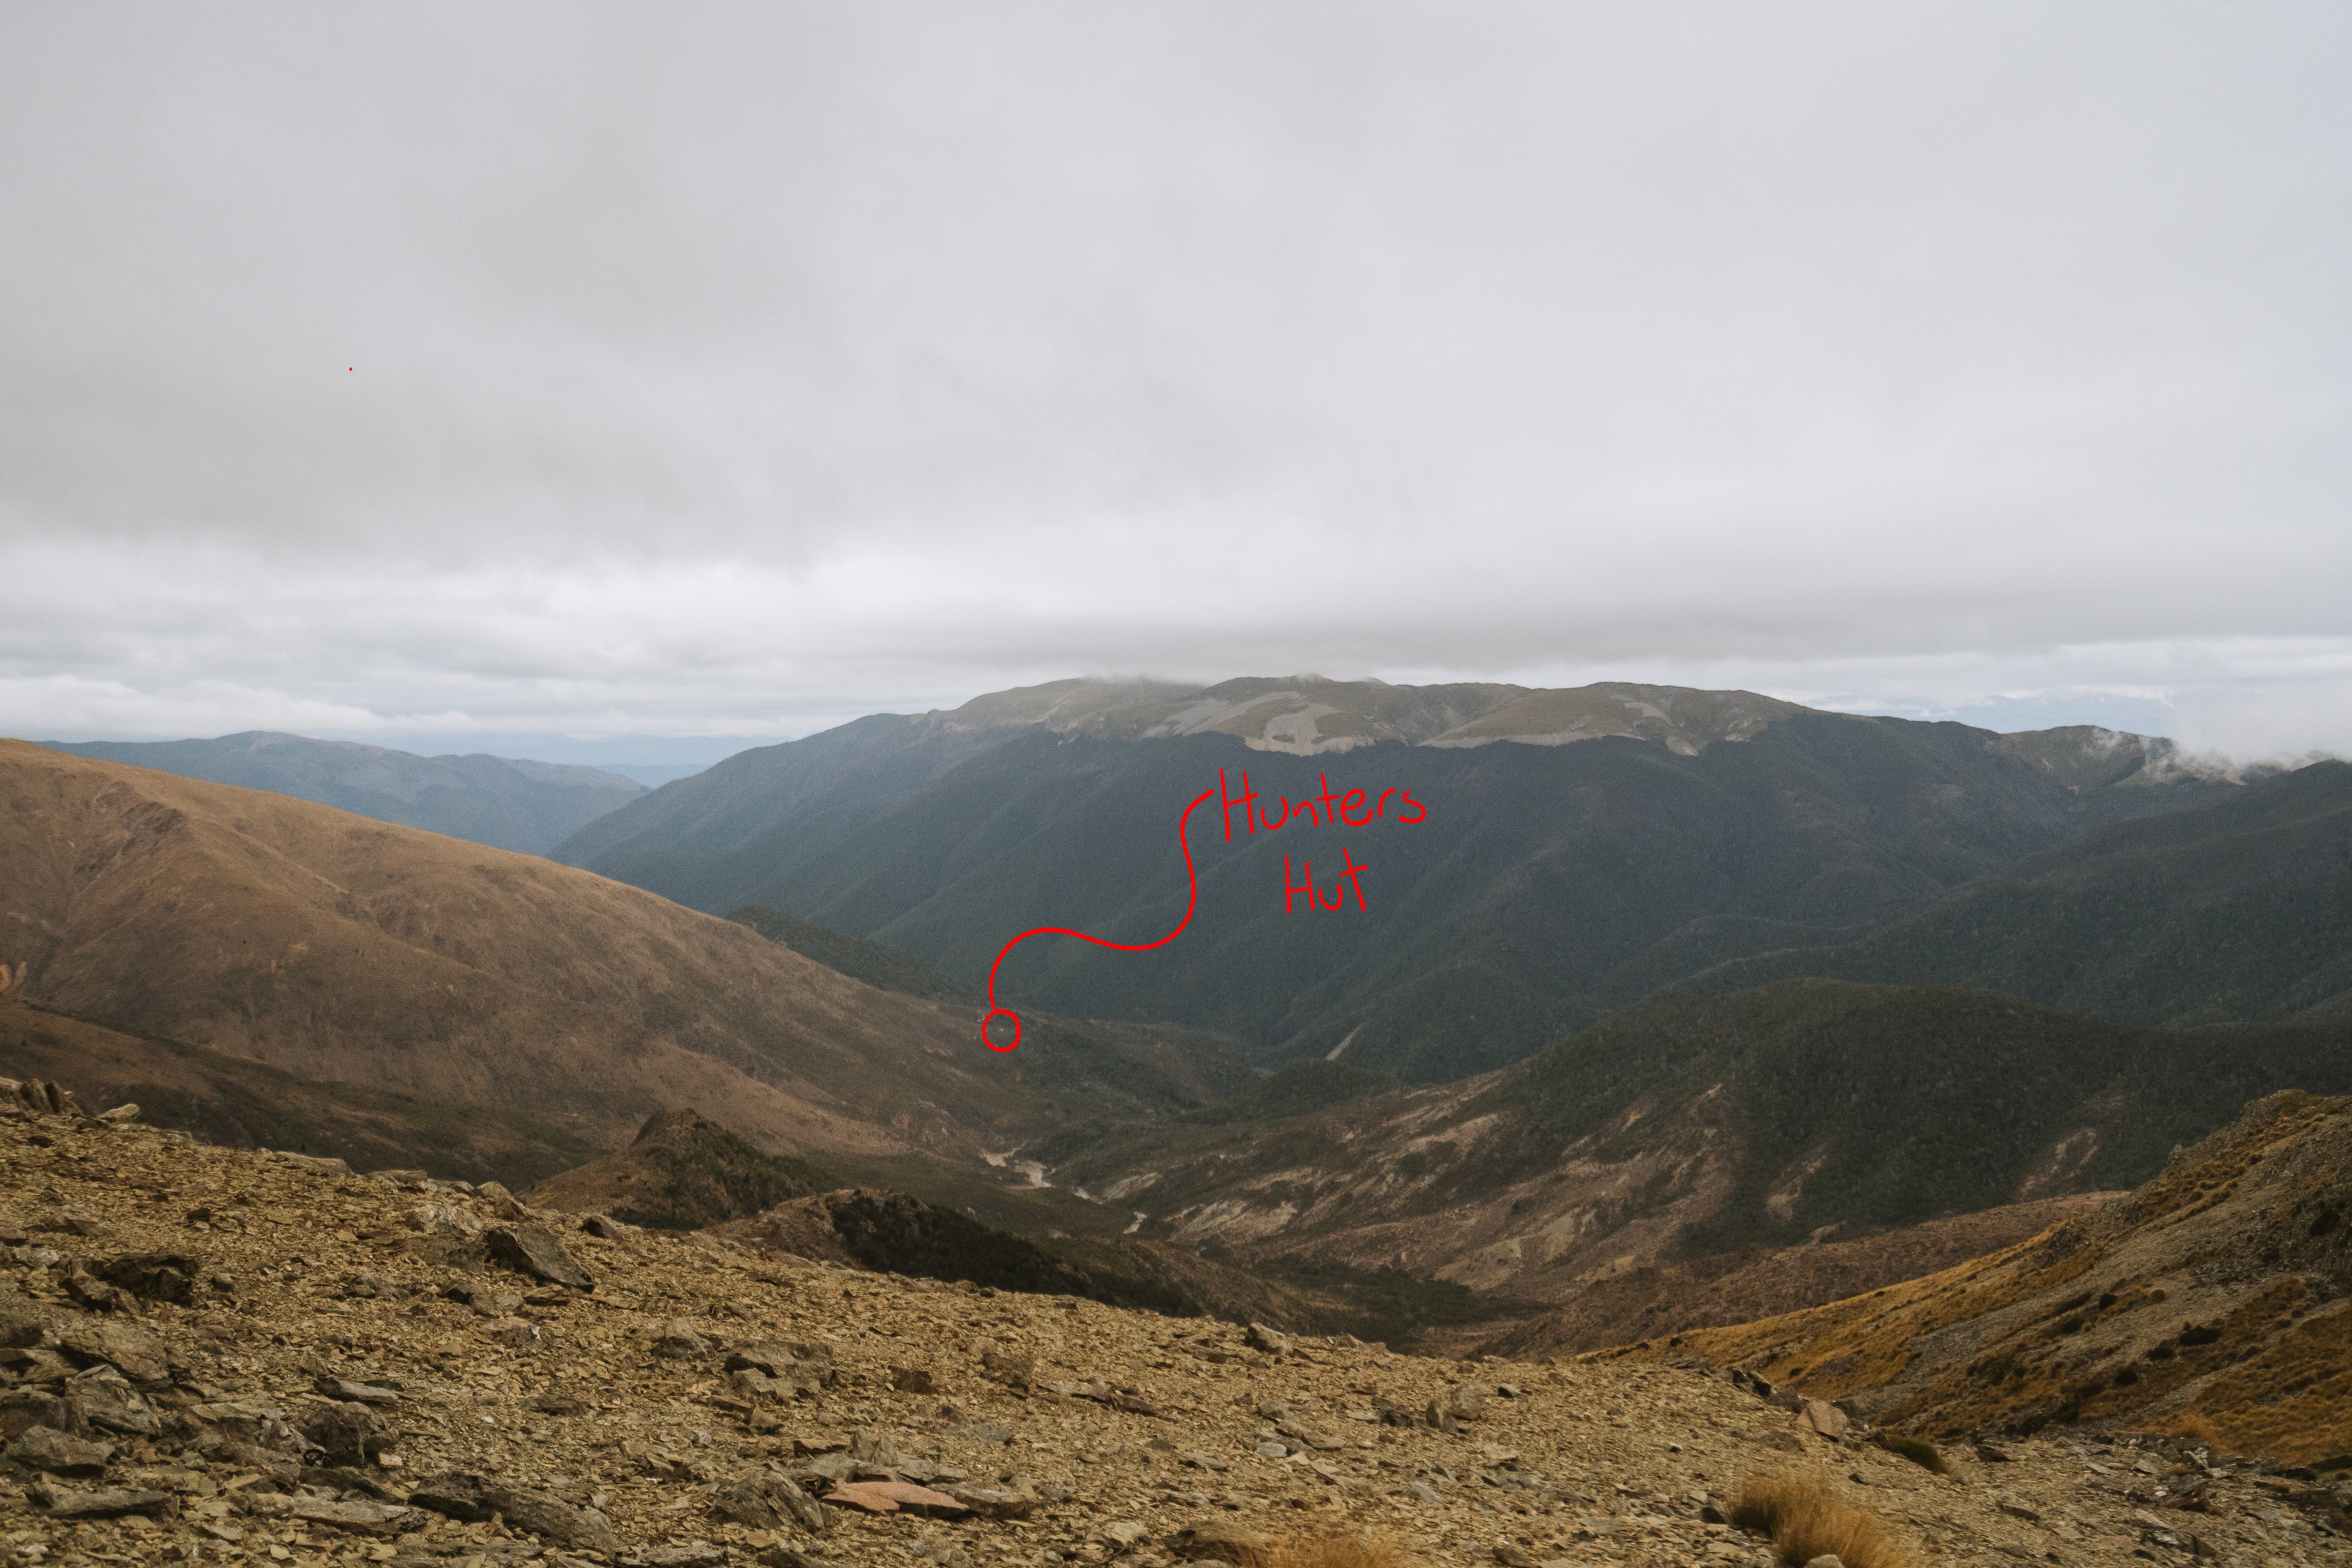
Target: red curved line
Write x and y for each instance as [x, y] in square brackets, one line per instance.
[1191, 877]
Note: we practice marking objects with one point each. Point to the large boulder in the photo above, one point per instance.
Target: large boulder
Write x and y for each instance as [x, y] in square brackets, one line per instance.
[768, 1502]
[532, 1249]
[22, 1409]
[347, 1432]
[677, 1341]
[45, 1448]
[468, 1498]
[98, 1503]
[45, 1099]
[126, 1347]
[154, 1276]
[255, 1425]
[106, 1399]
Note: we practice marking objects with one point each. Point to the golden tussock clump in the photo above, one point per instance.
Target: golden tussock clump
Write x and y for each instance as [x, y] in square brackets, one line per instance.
[2196, 1429]
[1343, 1550]
[1806, 1516]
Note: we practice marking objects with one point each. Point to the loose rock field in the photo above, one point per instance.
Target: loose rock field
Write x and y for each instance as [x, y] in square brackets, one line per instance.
[219, 1356]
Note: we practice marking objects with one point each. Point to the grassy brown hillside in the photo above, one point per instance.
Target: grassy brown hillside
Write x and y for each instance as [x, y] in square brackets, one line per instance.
[243, 1104]
[1657, 1299]
[2213, 1301]
[341, 950]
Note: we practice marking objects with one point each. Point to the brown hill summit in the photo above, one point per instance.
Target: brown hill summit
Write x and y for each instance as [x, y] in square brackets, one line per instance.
[343, 950]
[2212, 1301]
[300, 1365]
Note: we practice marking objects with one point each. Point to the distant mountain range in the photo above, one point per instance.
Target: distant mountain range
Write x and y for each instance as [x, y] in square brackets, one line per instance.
[1582, 849]
[504, 801]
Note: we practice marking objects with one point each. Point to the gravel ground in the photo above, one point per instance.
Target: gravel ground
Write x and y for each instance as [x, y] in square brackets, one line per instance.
[383, 1369]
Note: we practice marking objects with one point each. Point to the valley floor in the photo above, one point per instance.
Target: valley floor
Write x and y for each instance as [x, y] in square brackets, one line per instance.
[607, 1427]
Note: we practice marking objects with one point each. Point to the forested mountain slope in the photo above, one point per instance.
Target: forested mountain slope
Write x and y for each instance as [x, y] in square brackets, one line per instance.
[1541, 886]
[2238, 909]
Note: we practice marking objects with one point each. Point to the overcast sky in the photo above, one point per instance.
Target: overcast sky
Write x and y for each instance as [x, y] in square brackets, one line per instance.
[678, 371]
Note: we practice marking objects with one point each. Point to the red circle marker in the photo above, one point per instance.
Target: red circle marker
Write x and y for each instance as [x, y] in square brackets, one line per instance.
[1191, 876]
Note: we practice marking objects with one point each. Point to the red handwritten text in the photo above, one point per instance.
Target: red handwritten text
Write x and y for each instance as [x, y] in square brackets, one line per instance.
[1354, 807]
[1351, 808]
[1348, 879]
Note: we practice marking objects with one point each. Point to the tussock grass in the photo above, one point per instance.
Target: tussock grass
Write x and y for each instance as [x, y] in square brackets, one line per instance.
[1805, 1515]
[2196, 1429]
[1345, 1550]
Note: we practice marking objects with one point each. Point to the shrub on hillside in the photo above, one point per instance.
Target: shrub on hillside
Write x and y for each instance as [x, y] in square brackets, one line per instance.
[1806, 1517]
[1343, 1550]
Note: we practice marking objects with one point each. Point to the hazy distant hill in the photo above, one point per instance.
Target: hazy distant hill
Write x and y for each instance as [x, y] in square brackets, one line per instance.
[499, 801]
[1639, 836]
[2239, 909]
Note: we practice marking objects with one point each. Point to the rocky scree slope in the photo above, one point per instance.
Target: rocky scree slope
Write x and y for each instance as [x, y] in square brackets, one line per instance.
[2212, 1301]
[505, 801]
[215, 1355]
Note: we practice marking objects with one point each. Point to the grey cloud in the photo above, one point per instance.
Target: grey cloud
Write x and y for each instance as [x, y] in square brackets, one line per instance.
[731, 367]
